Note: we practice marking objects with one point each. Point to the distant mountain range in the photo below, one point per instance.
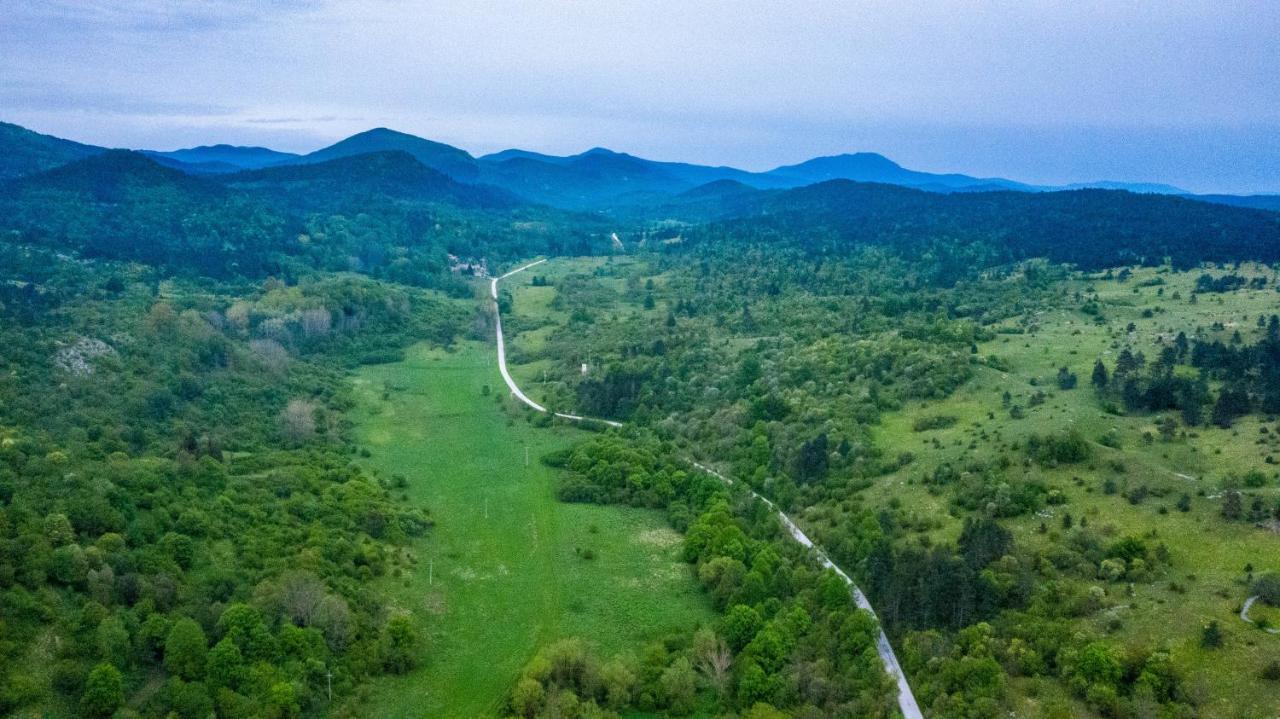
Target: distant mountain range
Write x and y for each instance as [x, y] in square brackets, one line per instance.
[596, 180]
[361, 178]
[367, 209]
[449, 160]
[1089, 228]
[1257, 202]
[211, 159]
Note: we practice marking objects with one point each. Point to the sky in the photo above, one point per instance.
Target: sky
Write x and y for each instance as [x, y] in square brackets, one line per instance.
[1185, 92]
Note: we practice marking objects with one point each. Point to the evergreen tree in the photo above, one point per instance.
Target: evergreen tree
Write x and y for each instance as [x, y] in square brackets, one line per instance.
[1099, 375]
[1231, 404]
[983, 541]
[1211, 635]
[811, 461]
[1232, 507]
[1131, 395]
[1126, 363]
[1192, 399]
[1066, 379]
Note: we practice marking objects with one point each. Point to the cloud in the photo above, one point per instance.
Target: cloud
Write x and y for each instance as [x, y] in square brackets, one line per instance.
[26, 95]
[313, 120]
[148, 15]
[1083, 88]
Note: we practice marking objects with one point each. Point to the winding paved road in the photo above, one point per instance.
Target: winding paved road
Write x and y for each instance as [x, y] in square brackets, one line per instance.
[1244, 614]
[906, 700]
[502, 355]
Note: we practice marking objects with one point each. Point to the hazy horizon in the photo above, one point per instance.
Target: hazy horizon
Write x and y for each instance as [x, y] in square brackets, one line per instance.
[1035, 92]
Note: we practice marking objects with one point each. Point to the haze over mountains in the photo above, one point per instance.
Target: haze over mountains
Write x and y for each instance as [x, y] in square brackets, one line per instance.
[369, 200]
[221, 158]
[597, 179]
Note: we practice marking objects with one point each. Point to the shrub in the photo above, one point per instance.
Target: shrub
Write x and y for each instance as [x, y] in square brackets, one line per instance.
[1062, 448]
[1267, 587]
[941, 421]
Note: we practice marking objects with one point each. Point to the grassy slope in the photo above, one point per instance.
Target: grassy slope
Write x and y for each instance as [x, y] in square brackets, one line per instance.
[1209, 554]
[506, 582]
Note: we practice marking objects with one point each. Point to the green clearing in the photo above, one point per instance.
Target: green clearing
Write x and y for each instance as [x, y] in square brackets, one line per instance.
[1207, 579]
[501, 573]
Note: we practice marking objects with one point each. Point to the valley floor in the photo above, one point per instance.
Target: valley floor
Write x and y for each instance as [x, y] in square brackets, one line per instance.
[503, 571]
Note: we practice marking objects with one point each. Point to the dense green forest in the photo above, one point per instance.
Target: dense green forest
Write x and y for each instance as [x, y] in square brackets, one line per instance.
[179, 517]
[1091, 229]
[1039, 429]
[383, 214]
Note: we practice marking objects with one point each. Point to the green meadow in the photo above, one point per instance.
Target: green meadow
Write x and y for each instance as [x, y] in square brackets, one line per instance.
[1207, 579]
[507, 568]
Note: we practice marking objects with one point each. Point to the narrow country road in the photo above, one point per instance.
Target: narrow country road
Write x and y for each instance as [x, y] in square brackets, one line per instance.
[502, 354]
[906, 700]
[1244, 614]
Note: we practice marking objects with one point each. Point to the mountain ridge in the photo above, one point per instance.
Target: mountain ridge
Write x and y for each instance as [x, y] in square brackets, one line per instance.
[225, 158]
[391, 174]
[27, 152]
[598, 179]
[447, 159]
[109, 175]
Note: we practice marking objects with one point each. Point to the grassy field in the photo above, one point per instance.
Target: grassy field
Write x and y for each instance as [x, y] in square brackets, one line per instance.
[503, 572]
[1209, 554]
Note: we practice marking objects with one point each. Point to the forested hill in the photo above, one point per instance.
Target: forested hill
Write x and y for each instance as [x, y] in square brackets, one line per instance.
[455, 163]
[23, 152]
[384, 214]
[1259, 202]
[356, 180]
[395, 211]
[1089, 228]
[120, 205]
[112, 176]
[234, 157]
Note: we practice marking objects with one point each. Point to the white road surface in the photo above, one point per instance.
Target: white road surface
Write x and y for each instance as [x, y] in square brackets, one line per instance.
[906, 700]
[1244, 614]
[502, 355]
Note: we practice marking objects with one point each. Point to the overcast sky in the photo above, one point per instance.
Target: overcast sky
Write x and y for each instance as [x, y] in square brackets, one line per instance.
[1181, 92]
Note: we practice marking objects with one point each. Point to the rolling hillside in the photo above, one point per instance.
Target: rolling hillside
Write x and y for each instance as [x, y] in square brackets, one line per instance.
[23, 152]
